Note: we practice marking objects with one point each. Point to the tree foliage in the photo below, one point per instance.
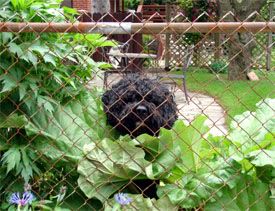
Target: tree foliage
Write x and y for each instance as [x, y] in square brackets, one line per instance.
[43, 79]
[241, 45]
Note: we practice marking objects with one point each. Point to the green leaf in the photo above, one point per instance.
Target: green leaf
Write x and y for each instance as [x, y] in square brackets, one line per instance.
[48, 58]
[94, 40]
[21, 160]
[61, 209]
[69, 10]
[9, 83]
[246, 195]
[108, 166]
[272, 184]
[11, 79]
[46, 103]
[63, 132]
[14, 3]
[33, 87]
[22, 91]
[190, 139]
[12, 121]
[30, 57]
[6, 37]
[194, 188]
[251, 127]
[262, 157]
[39, 48]
[16, 49]
[162, 151]
[104, 65]
[252, 137]
[214, 146]
[174, 193]
[27, 171]
[5, 14]
[11, 158]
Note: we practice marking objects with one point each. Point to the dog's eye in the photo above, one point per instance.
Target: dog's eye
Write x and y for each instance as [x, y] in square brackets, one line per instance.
[131, 97]
[153, 99]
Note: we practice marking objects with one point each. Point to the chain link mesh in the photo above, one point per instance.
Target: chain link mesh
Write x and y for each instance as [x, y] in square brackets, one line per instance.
[154, 121]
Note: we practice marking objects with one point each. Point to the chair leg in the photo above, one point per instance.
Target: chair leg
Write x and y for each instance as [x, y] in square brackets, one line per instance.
[105, 79]
[185, 91]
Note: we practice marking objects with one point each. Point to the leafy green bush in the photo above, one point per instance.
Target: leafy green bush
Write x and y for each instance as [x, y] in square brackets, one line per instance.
[191, 38]
[186, 4]
[131, 4]
[37, 61]
[189, 169]
[46, 109]
[161, 2]
[218, 67]
[193, 10]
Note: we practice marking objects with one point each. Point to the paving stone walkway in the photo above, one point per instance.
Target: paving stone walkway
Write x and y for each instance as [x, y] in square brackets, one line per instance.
[198, 104]
[201, 104]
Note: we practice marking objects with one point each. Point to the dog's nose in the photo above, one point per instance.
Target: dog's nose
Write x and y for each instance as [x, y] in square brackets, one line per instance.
[141, 109]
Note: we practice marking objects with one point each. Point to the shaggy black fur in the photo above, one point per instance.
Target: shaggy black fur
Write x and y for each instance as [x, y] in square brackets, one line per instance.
[137, 105]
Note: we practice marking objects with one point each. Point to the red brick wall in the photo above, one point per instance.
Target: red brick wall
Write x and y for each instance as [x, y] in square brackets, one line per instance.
[86, 5]
[82, 4]
[116, 5]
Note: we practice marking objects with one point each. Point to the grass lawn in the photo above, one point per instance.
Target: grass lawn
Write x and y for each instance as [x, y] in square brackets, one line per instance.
[235, 96]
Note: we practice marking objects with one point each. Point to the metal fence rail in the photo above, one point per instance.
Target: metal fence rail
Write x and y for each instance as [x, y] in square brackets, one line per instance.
[144, 28]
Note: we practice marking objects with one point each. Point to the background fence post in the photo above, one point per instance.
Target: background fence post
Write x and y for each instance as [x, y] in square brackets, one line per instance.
[167, 39]
[217, 40]
[270, 36]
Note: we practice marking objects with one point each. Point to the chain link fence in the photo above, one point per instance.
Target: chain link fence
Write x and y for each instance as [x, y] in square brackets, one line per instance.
[110, 112]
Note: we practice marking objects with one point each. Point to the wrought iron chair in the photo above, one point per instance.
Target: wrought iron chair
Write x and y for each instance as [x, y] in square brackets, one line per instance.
[122, 62]
[172, 77]
[123, 59]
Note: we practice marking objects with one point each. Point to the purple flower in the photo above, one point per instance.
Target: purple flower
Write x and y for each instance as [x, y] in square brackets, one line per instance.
[122, 199]
[27, 198]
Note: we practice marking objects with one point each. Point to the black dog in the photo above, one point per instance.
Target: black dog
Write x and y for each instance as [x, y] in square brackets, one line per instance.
[137, 105]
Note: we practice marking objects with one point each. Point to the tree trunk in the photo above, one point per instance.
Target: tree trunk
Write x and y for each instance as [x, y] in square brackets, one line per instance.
[240, 45]
[100, 6]
[240, 55]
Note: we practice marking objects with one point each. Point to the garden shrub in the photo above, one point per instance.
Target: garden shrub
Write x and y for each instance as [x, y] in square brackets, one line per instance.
[131, 4]
[186, 4]
[218, 66]
[187, 168]
[45, 105]
[160, 2]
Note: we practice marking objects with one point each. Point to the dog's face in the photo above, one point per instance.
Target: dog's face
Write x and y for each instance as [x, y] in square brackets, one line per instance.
[137, 105]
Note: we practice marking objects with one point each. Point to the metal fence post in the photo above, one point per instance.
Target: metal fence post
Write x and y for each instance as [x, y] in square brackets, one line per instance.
[270, 36]
[217, 40]
[167, 39]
